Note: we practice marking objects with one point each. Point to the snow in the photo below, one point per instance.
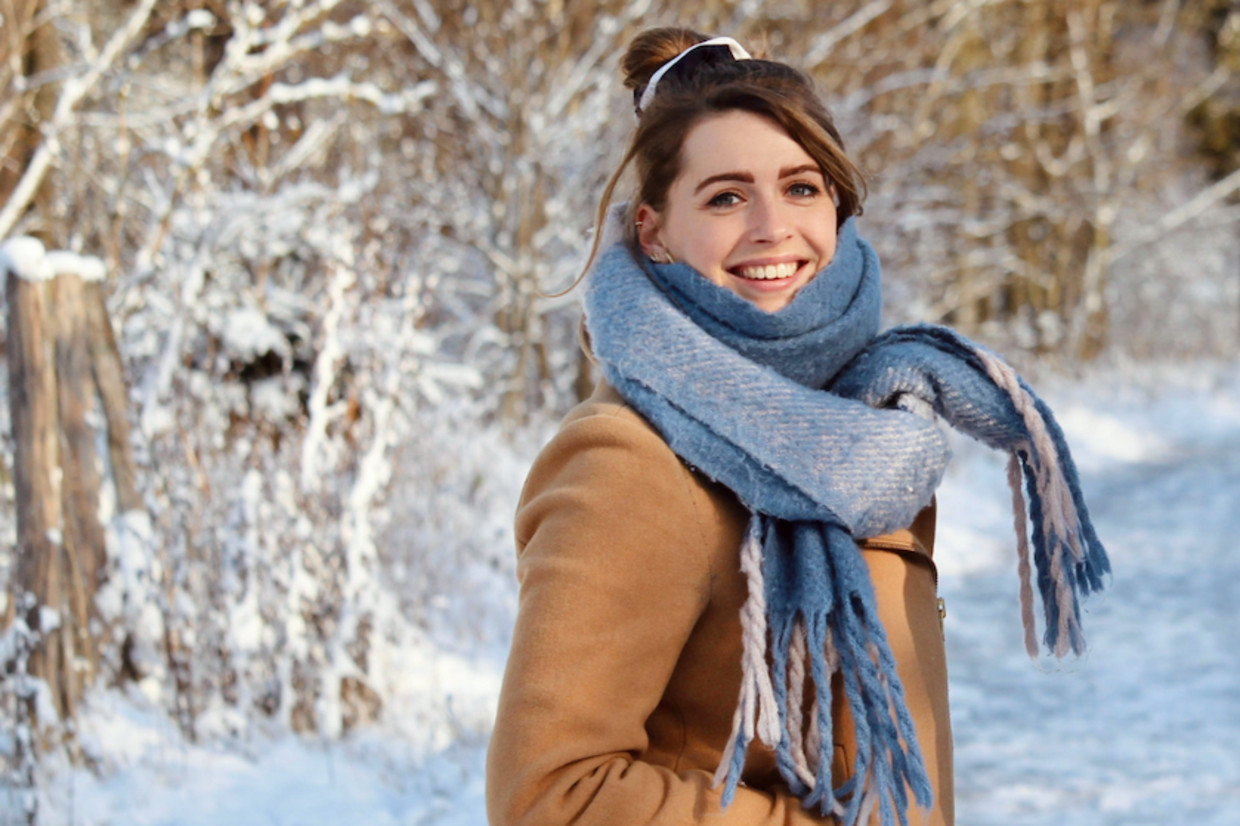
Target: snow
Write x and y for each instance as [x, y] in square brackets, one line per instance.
[1141, 730]
[247, 334]
[278, 781]
[130, 596]
[200, 19]
[85, 267]
[25, 258]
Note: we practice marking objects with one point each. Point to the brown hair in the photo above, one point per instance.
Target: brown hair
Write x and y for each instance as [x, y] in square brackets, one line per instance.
[764, 87]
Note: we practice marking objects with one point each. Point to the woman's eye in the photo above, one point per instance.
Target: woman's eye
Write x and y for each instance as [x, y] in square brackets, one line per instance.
[724, 199]
[803, 189]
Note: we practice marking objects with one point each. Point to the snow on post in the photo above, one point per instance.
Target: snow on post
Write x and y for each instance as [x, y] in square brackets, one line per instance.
[86, 267]
[25, 258]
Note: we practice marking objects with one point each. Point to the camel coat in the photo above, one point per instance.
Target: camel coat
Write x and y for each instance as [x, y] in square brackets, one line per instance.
[623, 678]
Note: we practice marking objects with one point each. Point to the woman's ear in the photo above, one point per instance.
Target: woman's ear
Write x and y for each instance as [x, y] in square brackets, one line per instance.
[649, 232]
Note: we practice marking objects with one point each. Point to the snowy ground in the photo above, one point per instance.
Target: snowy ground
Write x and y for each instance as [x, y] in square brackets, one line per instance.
[1145, 729]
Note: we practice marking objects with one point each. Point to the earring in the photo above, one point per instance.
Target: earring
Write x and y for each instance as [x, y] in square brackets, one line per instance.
[662, 257]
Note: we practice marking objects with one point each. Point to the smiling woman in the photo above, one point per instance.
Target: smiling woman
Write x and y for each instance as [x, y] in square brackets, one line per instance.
[728, 609]
[627, 682]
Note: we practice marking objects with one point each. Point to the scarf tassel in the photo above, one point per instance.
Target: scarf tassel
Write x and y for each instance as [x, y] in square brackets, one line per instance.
[756, 709]
[1069, 557]
[840, 635]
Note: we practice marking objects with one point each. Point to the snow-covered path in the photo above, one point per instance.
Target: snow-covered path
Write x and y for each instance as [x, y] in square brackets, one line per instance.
[1145, 729]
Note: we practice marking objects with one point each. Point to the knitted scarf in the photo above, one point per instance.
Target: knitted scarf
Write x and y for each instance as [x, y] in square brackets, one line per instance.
[827, 433]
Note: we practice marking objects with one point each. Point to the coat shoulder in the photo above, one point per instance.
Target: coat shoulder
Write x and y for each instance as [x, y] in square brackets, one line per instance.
[604, 441]
[608, 461]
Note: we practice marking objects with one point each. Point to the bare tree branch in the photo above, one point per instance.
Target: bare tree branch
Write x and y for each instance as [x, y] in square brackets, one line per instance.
[1188, 211]
[74, 90]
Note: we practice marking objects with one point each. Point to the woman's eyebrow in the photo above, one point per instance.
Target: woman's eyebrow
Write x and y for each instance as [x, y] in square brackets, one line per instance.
[743, 177]
[788, 172]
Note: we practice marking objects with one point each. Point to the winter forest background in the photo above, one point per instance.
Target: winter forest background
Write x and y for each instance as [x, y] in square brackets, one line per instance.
[327, 231]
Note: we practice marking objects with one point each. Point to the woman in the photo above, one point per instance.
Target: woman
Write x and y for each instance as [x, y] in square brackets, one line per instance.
[731, 540]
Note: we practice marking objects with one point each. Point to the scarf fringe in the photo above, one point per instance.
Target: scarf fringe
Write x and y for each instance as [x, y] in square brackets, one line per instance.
[1023, 569]
[772, 697]
[1070, 559]
[756, 710]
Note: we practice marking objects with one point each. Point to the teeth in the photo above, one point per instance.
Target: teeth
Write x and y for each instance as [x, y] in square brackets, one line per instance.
[769, 272]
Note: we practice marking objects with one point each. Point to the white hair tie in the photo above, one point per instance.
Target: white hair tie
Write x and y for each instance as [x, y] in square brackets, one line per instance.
[737, 51]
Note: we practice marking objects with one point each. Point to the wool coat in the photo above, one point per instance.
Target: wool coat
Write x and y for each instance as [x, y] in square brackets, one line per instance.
[621, 685]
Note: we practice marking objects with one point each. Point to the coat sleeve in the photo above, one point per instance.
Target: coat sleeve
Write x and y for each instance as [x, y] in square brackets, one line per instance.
[612, 581]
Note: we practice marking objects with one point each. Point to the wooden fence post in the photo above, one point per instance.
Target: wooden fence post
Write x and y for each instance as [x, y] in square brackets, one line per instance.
[36, 468]
[63, 366]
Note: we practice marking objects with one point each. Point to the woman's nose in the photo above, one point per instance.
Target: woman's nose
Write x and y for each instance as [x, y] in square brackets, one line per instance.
[768, 222]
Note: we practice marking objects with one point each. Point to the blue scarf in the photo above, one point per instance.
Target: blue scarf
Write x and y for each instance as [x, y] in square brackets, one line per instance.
[826, 432]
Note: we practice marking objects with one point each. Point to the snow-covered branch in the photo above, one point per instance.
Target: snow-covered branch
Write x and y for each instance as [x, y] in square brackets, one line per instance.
[320, 414]
[406, 102]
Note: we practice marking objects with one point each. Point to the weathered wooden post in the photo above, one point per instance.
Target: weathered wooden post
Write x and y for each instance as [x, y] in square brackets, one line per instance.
[37, 582]
[63, 367]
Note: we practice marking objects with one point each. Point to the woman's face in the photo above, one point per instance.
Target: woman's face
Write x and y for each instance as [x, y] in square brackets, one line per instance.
[750, 210]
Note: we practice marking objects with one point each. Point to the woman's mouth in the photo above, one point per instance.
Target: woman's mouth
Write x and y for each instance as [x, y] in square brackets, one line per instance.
[767, 272]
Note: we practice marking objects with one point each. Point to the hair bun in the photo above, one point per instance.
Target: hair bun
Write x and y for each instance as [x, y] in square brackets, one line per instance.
[652, 48]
